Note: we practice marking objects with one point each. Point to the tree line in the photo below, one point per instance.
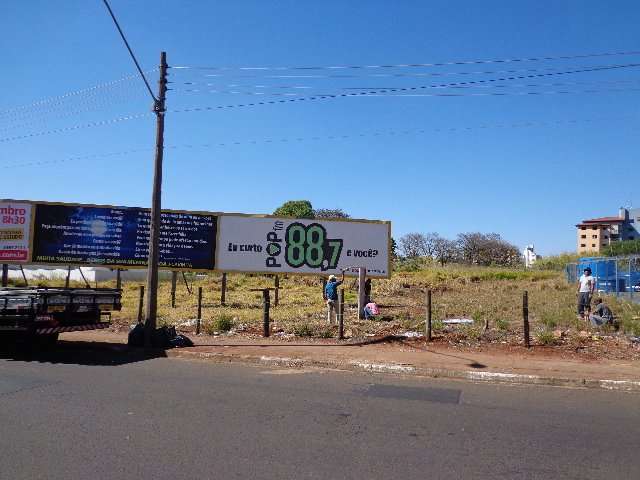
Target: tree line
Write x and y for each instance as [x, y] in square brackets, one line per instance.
[472, 248]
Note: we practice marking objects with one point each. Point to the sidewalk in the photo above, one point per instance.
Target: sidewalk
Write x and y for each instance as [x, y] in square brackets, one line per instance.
[403, 357]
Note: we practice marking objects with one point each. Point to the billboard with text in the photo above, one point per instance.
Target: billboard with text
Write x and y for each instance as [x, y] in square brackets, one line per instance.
[15, 229]
[119, 236]
[310, 246]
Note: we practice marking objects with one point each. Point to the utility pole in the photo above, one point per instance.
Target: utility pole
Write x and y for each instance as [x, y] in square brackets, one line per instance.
[155, 222]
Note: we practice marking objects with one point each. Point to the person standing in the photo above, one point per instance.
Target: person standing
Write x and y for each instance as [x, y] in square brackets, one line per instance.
[331, 295]
[586, 287]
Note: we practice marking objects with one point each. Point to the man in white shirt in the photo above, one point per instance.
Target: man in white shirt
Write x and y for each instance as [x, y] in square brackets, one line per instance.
[586, 286]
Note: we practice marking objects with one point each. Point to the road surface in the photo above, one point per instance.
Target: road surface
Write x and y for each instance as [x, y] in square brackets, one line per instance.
[77, 414]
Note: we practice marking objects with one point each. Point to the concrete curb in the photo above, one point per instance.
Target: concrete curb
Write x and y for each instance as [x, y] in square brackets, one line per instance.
[406, 369]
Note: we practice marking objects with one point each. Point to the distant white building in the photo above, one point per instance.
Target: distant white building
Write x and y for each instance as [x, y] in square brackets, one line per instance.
[530, 256]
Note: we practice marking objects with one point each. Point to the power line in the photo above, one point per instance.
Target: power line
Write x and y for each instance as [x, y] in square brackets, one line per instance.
[399, 89]
[319, 76]
[87, 104]
[98, 123]
[67, 96]
[133, 57]
[411, 65]
[272, 141]
[530, 85]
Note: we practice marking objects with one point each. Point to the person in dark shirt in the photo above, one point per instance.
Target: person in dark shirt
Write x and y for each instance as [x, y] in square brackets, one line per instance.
[331, 294]
[601, 315]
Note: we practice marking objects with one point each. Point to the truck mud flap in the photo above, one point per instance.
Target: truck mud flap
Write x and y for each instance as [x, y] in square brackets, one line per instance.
[72, 328]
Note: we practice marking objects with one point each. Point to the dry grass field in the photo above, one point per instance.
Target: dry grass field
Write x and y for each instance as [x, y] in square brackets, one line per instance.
[488, 295]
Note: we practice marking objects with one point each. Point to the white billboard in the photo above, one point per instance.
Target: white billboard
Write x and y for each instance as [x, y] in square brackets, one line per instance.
[309, 246]
[15, 226]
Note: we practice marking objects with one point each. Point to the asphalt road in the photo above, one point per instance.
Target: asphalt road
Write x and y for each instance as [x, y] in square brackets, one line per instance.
[77, 415]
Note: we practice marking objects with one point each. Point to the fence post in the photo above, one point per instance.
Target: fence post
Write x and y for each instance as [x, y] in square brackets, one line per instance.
[341, 315]
[630, 283]
[362, 276]
[5, 274]
[140, 303]
[199, 310]
[118, 279]
[276, 284]
[428, 333]
[617, 279]
[223, 290]
[174, 283]
[525, 318]
[265, 314]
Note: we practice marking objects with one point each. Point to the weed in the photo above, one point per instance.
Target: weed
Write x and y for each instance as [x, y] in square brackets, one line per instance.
[549, 320]
[502, 324]
[546, 337]
[222, 323]
[325, 331]
[303, 330]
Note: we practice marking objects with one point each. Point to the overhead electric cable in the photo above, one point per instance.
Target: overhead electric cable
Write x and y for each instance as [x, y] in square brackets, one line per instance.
[412, 65]
[76, 127]
[398, 89]
[88, 91]
[271, 141]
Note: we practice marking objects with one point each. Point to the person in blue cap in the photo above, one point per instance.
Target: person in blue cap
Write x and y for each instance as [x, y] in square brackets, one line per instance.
[331, 294]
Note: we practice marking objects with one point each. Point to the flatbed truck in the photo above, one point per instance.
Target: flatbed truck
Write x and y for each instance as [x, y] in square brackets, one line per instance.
[40, 314]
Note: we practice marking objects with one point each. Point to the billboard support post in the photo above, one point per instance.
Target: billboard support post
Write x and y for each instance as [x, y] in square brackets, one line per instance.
[174, 281]
[362, 277]
[66, 282]
[5, 275]
[154, 232]
[118, 279]
[223, 290]
[140, 303]
[265, 314]
[276, 295]
[199, 310]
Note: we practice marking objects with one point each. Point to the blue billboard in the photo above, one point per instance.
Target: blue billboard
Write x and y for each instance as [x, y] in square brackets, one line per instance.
[119, 237]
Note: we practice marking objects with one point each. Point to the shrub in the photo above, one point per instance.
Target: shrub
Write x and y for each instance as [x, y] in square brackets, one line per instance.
[549, 320]
[223, 323]
[303, 330]
[546, 337]
[502, 324]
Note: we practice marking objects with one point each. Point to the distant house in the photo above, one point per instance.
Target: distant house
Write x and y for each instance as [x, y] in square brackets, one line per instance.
[595, 233]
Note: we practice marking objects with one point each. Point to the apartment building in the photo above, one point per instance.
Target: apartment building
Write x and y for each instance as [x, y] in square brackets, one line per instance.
[595, 233]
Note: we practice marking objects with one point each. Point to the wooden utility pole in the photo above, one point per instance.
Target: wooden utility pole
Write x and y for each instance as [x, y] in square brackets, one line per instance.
[154, 231]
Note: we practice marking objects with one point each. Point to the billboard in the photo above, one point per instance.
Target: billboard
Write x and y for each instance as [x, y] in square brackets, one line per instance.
[310, 246]
[119, 237]
[15, 227]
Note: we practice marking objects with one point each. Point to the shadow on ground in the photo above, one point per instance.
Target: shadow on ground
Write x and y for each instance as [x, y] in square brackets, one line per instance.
[80, 353]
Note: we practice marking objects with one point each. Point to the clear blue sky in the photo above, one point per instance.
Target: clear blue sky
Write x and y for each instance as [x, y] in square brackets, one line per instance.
[576, 158]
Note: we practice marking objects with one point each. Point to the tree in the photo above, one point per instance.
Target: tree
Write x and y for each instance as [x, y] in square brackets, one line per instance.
[330, 213]
[295, 209]
[487, 249]
[394, 249]
[413, 245]
[445, 250]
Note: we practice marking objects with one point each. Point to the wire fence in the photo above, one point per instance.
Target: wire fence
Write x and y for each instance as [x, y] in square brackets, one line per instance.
[618, 276]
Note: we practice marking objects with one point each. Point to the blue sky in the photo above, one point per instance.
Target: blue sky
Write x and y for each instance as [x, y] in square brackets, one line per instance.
[526, 166]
